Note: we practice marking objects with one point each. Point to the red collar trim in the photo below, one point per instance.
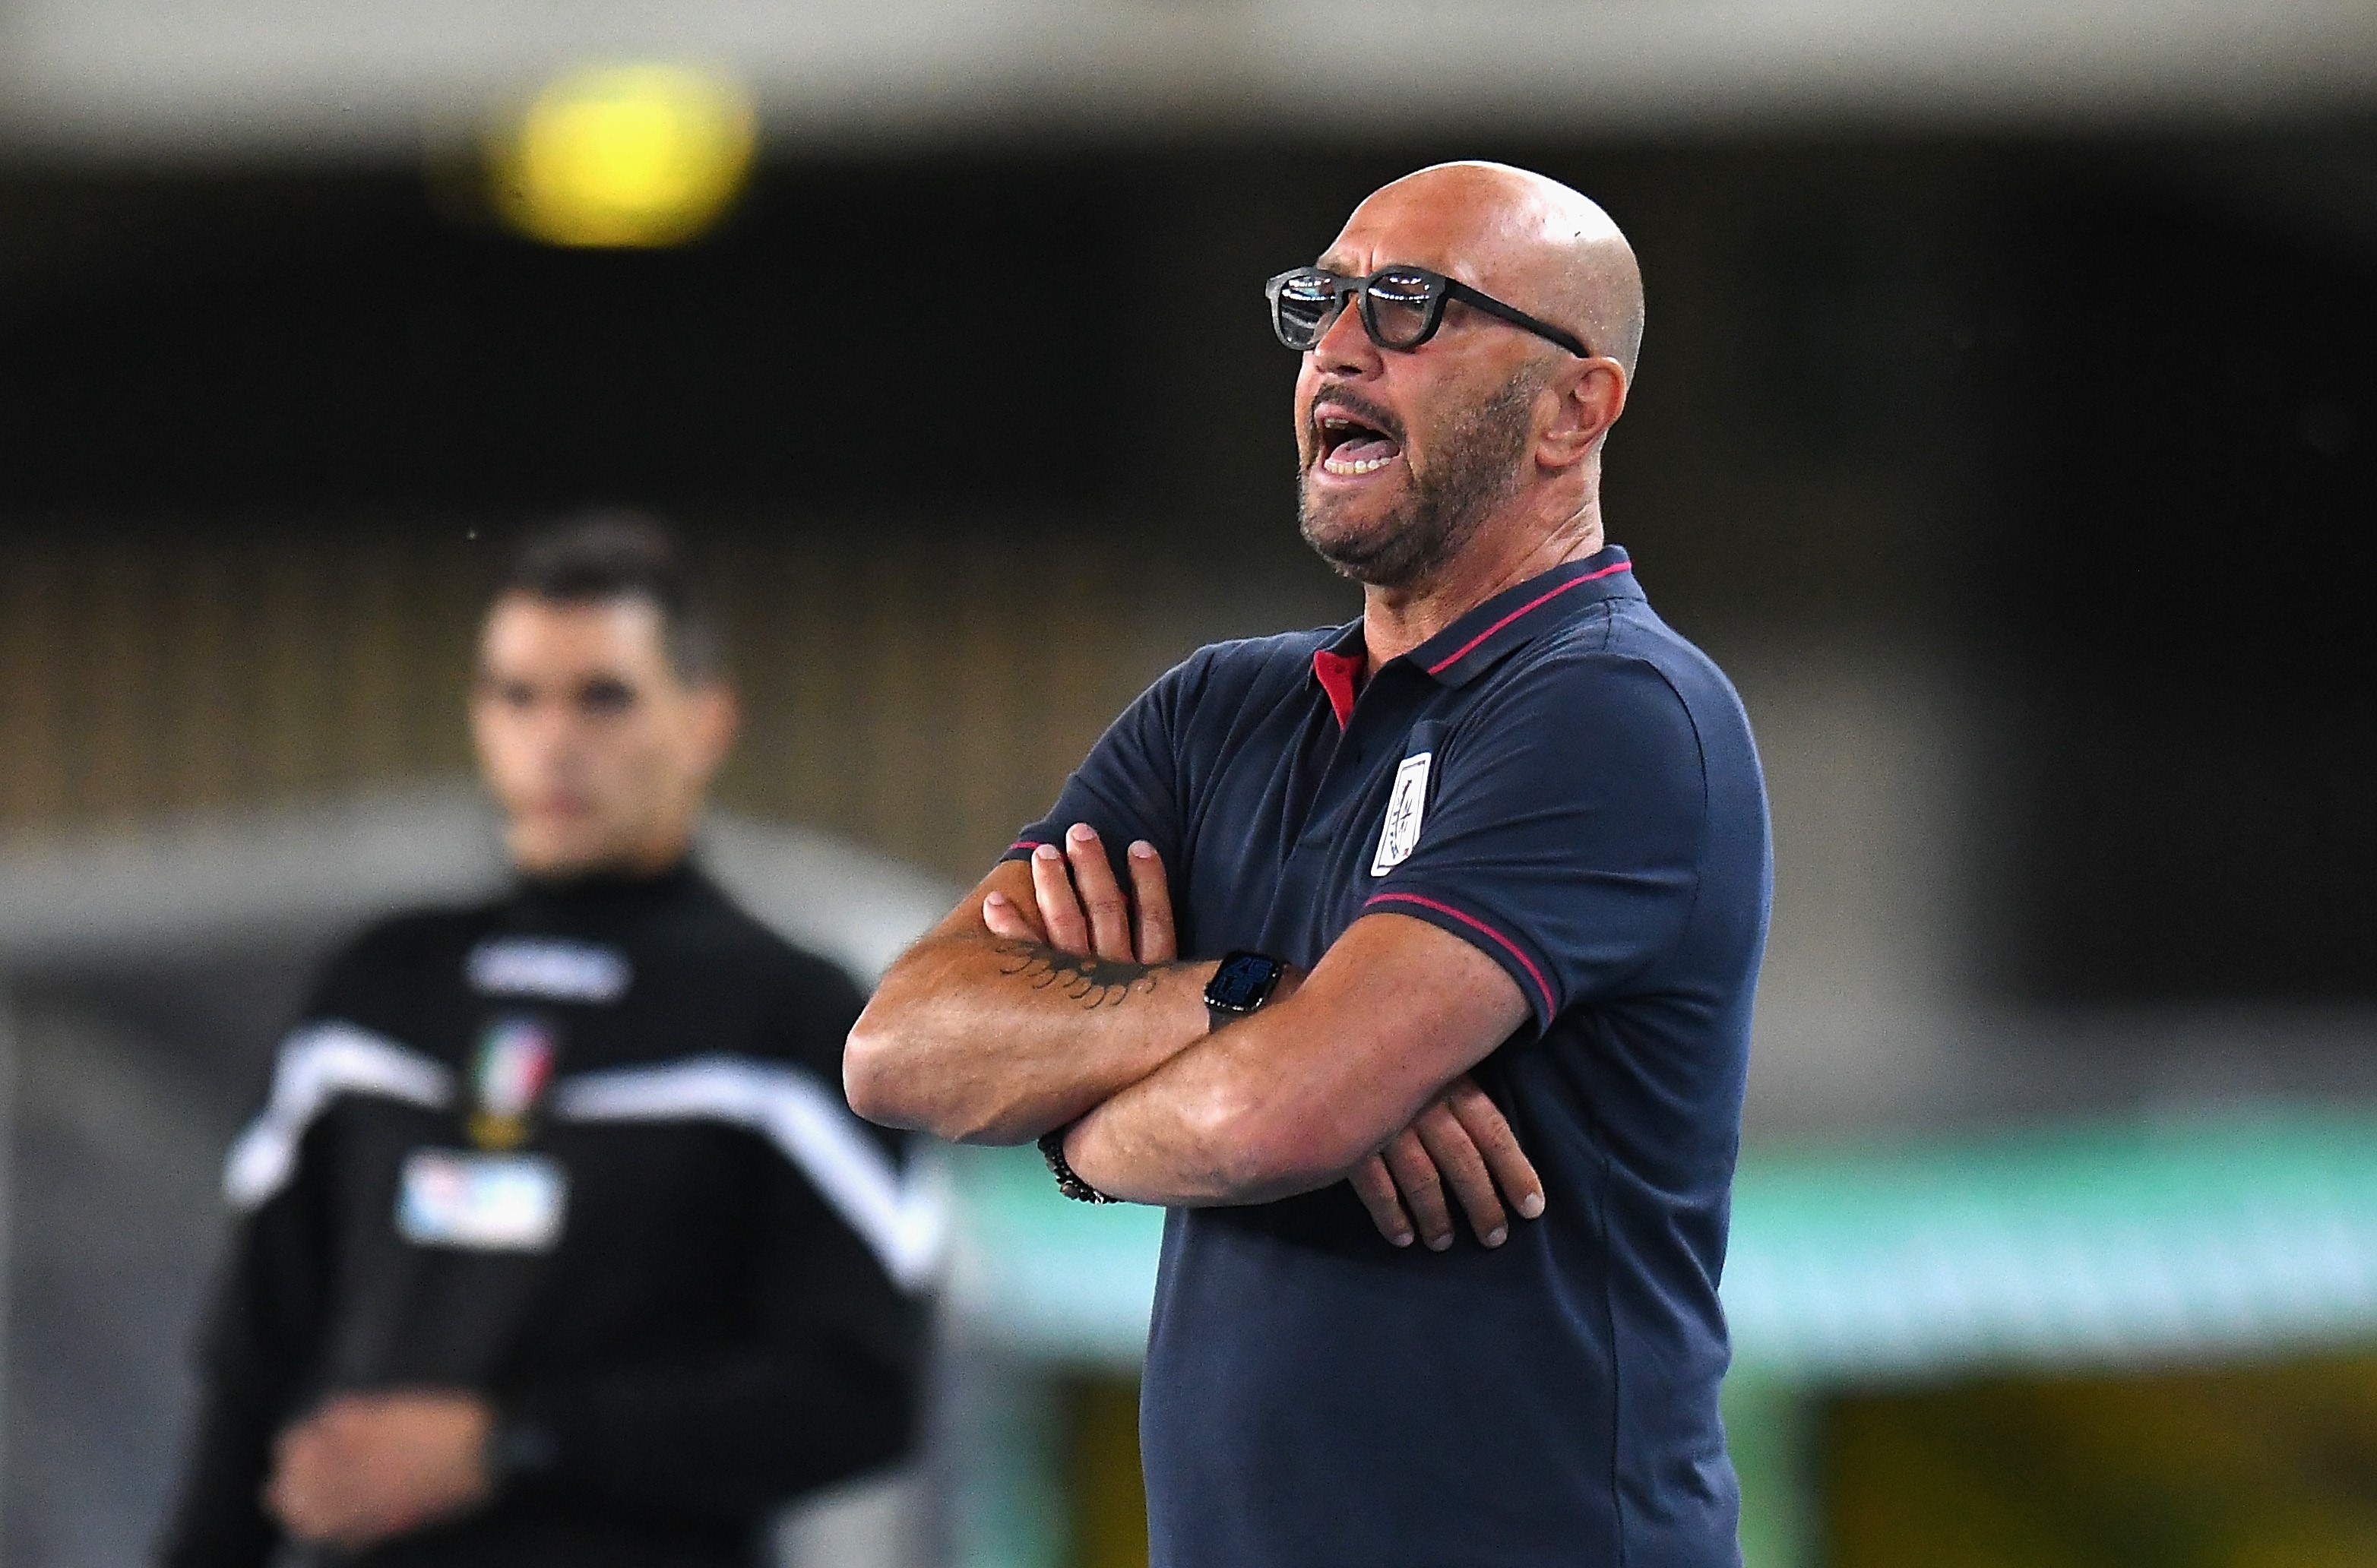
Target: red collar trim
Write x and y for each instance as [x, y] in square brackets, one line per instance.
[1337, 673]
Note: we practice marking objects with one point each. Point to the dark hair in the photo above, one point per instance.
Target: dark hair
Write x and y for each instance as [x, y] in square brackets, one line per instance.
[607, 556]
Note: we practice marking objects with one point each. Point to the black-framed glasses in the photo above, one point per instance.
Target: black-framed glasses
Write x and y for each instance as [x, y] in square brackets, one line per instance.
[1402, 307]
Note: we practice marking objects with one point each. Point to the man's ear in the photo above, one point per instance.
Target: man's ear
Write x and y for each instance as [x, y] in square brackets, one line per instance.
[1589, 398]
[717, 716]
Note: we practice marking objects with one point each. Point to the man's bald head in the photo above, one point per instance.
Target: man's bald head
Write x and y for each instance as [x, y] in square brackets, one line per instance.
[1486, 437]
[1526, 239]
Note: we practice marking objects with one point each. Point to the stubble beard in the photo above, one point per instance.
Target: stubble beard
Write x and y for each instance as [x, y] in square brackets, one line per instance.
[1440, 511]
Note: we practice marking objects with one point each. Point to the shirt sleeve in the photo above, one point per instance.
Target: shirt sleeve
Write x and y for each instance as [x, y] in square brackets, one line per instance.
[1561, 831]
[259, 1340]
[1130, 785]
[824, 1383]
[262, 1335]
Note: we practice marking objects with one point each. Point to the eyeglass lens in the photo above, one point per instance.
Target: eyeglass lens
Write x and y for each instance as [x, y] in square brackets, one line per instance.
[1395, 307]
[1308, 302]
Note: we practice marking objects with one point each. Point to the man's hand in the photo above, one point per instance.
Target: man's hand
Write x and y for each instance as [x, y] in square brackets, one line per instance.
[1082, 910]
[1461, 1140]
[366, 1467]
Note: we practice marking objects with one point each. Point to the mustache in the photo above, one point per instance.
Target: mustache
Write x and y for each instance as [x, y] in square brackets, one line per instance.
[1357, 406]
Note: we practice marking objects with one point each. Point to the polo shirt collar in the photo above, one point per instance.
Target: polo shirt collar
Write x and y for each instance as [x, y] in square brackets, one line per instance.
[1338, 668]
[1518, 615]
[1468, 647]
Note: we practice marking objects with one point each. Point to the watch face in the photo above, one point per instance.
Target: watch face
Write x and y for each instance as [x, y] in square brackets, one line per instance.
[1242, 982]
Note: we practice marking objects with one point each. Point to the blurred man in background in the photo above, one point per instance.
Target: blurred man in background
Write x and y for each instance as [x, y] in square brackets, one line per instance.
[557, 1241]
[1494, 854]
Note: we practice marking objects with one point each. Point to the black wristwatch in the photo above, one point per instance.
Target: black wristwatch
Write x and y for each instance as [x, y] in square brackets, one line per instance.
[1052, 1149]
[1243, 984]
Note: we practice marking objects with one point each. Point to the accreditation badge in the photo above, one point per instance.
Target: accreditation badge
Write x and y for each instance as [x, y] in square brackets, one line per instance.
[486, 1203]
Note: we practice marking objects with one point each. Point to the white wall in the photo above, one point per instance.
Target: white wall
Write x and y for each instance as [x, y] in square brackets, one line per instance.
[1867, 747]
[338, 78]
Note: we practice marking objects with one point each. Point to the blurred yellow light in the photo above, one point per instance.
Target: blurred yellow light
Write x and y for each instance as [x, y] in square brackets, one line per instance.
[626, 155]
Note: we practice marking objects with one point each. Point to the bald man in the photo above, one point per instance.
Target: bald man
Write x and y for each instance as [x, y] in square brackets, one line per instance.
[1460, 905]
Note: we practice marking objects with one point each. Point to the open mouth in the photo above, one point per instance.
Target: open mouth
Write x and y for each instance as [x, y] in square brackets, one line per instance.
[1350, 449]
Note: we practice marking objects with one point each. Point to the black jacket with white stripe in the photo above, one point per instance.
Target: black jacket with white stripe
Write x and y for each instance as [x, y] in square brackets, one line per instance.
[583, 1150]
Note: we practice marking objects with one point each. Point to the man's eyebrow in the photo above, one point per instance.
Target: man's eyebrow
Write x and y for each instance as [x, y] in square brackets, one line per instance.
[1330, 264]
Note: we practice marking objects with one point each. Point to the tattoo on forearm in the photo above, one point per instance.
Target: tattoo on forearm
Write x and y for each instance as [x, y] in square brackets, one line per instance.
[1093, 983]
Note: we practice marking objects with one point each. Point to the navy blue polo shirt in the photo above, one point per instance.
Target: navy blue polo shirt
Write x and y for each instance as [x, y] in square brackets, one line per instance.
[1561, 780]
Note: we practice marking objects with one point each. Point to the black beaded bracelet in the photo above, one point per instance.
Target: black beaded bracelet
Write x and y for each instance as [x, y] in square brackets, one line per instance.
[1052, 1149]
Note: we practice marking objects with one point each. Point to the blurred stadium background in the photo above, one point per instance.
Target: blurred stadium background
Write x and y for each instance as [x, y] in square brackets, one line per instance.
[2008, 428]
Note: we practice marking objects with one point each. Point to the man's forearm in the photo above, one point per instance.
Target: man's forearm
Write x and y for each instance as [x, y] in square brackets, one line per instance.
[725, 1434]
[1212, 1125]
[1295, 1097]
[983, 1039]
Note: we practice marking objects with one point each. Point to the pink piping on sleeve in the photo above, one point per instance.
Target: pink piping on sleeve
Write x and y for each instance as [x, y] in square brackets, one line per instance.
[1550, 1006]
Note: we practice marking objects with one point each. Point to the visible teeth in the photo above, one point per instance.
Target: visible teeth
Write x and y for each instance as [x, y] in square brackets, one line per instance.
[1334, 425]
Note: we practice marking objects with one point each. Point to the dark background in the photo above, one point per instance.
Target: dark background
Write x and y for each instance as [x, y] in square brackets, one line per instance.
[2099, 417]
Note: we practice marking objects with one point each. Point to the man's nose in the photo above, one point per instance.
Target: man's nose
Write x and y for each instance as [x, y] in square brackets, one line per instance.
[554, 729]
[1344, 346]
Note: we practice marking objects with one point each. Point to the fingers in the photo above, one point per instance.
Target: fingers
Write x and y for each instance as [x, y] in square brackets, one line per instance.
[1513, 1172]
[1463, 1170]
[365, 1467]
[1004, 918]
[1151, 893]
[1460, 1150]
[303, 1492]
[1060, 912]
[1377, 1191]
[281, 1499]
[1101, 896]
[1081, 907]
[1423, 1191]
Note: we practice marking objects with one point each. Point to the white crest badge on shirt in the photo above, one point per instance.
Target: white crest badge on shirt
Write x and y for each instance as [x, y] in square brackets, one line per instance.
[1398, 835]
